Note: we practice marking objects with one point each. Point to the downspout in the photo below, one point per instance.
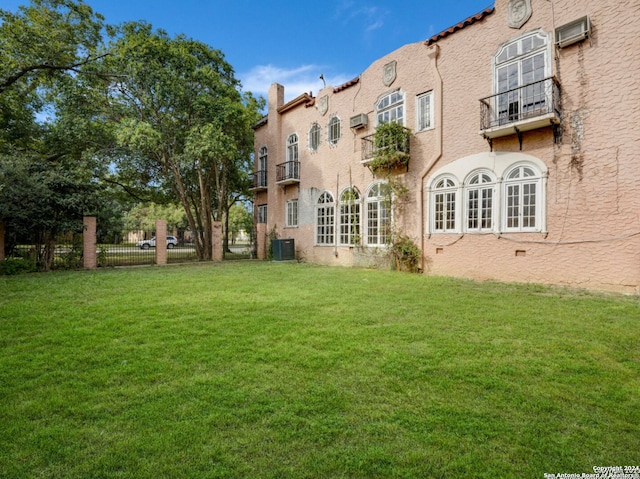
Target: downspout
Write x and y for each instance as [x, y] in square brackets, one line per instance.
[437, 152]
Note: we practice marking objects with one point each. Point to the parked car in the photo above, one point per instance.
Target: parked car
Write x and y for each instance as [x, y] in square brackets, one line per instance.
[151, 243]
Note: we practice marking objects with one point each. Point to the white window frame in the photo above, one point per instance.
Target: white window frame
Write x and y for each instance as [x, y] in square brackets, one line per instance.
[378, 215]
[324, 231]
[263, 157]
[516, 102]
[486, 191]
[315, 136]
[445, 203]
[292, 213]
[424, 112]
[390, 107]
[350, 209]
[334, 130]
[523, 210]
[292, 147]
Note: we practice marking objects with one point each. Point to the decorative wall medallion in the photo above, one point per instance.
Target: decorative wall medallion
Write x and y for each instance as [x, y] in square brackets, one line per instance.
[389, 73]
[323, 104]
[518, 12]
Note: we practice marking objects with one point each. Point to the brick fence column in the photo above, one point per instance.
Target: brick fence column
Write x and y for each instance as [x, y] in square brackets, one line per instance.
[216, 241]
[1, 241]
[261, 241]
[161, 241]
[89, 242]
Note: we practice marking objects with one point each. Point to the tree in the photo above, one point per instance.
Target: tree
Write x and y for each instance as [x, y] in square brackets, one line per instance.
[180, 115]
[45, 40]
[47, 170]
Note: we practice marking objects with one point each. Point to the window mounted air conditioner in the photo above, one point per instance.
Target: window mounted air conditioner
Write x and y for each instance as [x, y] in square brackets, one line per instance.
[573, 32]
[359, 121]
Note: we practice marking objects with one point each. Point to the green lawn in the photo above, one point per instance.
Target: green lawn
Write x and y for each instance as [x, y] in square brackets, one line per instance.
[282, 370]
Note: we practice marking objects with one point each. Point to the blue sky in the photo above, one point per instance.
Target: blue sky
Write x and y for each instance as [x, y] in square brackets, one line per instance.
[293, 42]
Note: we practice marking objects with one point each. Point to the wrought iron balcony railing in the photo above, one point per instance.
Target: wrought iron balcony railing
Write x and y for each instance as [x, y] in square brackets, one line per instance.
[527, 107]
[369, 148]
[288, 172]
[259, 180]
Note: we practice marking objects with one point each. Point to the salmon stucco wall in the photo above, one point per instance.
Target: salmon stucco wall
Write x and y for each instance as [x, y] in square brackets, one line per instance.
[587, 231]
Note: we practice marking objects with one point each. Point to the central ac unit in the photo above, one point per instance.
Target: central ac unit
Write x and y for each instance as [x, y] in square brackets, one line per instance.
[573, 32]
[359, 121]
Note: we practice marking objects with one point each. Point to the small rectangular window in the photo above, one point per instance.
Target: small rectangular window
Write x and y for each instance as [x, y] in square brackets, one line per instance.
[262, 213]
[424, 110]
[292, 213]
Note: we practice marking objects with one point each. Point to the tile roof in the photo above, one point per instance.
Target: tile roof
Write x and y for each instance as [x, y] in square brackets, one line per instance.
[346, 85]
[458, 26]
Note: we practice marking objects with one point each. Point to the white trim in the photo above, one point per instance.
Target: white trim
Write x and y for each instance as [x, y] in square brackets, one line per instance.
[428, 94]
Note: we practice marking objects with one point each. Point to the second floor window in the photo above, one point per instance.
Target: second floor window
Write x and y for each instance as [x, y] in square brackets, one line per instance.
[292, 147]
[424, 111]
[390, 108]
[518, 66]
[262, 159]
[334, 130]
[314, 137]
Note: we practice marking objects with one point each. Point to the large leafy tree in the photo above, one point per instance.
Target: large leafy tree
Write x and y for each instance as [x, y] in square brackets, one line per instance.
[179, 113]
[47, 125]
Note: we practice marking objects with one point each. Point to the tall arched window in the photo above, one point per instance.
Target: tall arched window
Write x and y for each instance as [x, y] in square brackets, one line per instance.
[378, 210]
[519, 68]
[261, 174]
[350, 217]
[292, 147]
[325, 219]
[444, 196]
[522, 199]
[479, 192]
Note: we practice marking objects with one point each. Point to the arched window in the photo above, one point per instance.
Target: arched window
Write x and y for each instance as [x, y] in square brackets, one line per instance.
[314, 137]
[522, 199]
[325, 219]
[479, 192]
[519, 68]
[390, 107]
[333, 130]
[262, 159]
[444, 194]
[378, 210]
[350, 217]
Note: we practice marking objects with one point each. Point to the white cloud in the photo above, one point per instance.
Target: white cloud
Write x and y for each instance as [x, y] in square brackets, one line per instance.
[297, 80]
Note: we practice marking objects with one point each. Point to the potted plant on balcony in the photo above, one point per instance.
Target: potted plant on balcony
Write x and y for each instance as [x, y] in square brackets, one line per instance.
[391, 147]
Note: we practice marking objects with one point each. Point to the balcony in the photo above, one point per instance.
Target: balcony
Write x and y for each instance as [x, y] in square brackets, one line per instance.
[529, 107]
[288, 173]
[258, 181]
[388, 148]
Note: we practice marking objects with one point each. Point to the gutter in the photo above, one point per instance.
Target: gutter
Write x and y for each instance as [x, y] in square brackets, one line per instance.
[437, 154]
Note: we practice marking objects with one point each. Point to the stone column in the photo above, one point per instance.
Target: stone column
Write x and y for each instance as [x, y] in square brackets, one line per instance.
[216, 241]
[161, 241]
[89, 242]
[261, 241]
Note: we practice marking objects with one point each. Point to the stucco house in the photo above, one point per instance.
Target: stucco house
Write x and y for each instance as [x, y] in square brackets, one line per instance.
[524, 155]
